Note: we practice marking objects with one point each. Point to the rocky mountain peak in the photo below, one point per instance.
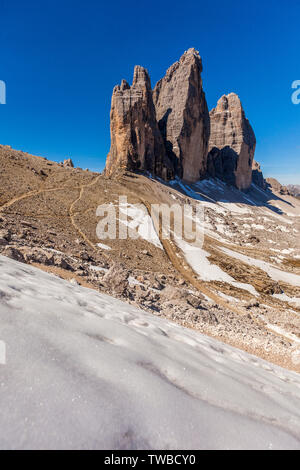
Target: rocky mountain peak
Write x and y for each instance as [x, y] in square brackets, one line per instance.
[169, 131]
[141, 77]
[183, 117]
[232, 143]
[228, 102]
[189, 57]
[124, 86]
[136, 142]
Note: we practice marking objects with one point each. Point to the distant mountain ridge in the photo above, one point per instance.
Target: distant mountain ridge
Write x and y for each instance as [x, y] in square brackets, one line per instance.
[294, 189]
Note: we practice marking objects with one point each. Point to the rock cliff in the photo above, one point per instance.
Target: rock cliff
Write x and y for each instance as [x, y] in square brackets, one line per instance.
[183, 116]
[169, 131]
[136, 142]
[232, 143]
[274, 185]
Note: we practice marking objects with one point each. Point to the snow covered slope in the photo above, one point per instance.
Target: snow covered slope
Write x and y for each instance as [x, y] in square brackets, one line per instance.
[84, 370]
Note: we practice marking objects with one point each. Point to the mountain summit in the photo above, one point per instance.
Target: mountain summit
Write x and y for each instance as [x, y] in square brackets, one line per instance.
[170, 132]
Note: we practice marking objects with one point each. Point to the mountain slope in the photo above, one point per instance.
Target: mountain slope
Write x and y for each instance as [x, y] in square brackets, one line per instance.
[241, 286]
[84, 370]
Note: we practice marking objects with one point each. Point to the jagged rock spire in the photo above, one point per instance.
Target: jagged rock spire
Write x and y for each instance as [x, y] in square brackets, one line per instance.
[232, 143]
[183, 117]
[170, 132]
[136, 142]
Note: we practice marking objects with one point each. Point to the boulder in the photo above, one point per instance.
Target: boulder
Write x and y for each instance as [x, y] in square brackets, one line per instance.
[116, 279]
[61, 262]
[38, 255]
[68, 163]
[13, 253]
[5, 237]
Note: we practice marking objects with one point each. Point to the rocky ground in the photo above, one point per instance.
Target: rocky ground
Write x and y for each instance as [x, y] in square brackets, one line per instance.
[242, 288]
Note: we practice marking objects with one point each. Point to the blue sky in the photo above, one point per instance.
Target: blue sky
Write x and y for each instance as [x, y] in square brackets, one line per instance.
[61, 59]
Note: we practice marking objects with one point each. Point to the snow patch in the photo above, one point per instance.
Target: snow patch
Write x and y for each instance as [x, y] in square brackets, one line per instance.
[286, 298]
[104, 247]
[141, 222]
[197, 259]
[273, 272]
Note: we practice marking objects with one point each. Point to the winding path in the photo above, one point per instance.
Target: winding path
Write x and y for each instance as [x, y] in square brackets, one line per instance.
[73, 213]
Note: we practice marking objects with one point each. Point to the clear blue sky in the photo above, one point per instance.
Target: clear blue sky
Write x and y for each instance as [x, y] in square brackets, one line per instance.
[61, 59]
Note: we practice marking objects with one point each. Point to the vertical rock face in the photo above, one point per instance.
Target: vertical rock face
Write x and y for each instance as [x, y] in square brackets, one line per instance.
[183, 117]
[136, 142]
[170, 132]
[257, 175]
[232, 143]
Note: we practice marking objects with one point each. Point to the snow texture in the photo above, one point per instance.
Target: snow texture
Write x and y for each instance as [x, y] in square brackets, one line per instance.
[86, 371]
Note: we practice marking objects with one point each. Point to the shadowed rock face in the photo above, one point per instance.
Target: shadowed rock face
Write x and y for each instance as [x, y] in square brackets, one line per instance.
[183, 117]
[232, 143]
[136, 142]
